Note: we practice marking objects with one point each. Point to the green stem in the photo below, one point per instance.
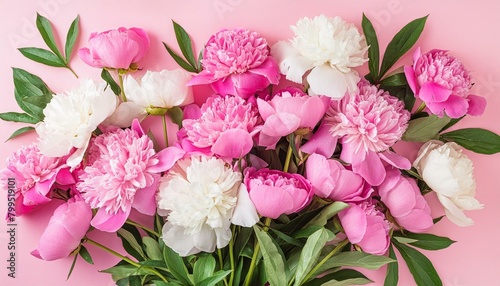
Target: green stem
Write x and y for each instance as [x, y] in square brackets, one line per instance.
[165, 133]
[256, 250]
[128, 221]
[122, 94]
[288, 157]
[324, 260]
[231, 258]
[68, 67]
[124, 258]
[221, 263]
[420, 108]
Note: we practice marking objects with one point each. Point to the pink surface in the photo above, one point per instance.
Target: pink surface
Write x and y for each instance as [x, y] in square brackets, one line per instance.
[468, 28]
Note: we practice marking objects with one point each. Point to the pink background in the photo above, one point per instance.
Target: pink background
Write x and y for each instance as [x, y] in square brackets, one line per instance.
[468, 28]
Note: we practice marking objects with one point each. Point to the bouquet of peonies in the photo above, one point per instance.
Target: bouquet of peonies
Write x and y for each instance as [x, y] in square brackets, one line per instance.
[285, 175]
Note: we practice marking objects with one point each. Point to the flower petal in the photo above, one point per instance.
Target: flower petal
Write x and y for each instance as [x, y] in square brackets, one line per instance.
[233, 143]
[166, 159]
[110, 222]
[328, 81]
[244, 213]
[321, 142]
[292, 64]
[477, 104]
[433, 92]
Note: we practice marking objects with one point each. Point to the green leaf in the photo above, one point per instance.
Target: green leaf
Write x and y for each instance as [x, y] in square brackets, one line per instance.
[42, 56]
[420, 266]
[307, 231]
[179, 60]
[84, 253]
[122, 271]
[452, 122]
[354, 259]
[29, 85]
[327, 213]
[426, 240]
[214, 279]
[478, 140]
[152, 248]
[18, 117]
[38, 101]
[154, 263]
[45, 29]
[402, 43]
[404, 93]
[392, 276]
[72, 267]
[106, 76]
[397, 79]
[424, 129]
[287, 238]
[438, 219]
[175, 114]
[241, 240]
[71, 38]
[340, 278]
[300, 221]
[373, 50]
[204, 267]
[20, 131]
[185, 45]
[273, 261]
[310, 253]
[130, 244]
[176, 265]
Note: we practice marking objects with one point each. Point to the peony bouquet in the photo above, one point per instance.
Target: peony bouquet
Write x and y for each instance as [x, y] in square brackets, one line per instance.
[286, 174]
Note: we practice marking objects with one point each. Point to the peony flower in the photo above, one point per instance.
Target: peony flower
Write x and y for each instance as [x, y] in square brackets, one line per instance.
[449, 173]
[116, 49]
[275, 193]
[66, 228]
[35, 176]
[288, 111]
[237, 62]
[154, 94]
[123, 172]
[201, 196]
[402, 197]
[366, 226]
[332, 180]
[70, 119]
[368, 122]
[327, 47]
[225, 125]
[443, 84]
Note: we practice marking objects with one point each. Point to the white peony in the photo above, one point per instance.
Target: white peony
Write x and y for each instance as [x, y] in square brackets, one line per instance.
[330, 48]
[71, 117]
[201, 196]
[153, 94]
[449, 173]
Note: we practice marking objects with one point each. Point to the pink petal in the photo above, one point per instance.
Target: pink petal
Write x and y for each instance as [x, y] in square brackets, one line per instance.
[401, 199]
[433, 92]
[37, 195]
[477, 104]
[84, 54]
[353, 220]
[417, 54]
[110, 222]
[376, 241]
[247, 84]
[312, 111]
[191, 111]
[233, 143]
[318, 172]
[145, 199]
[455, 107]
[271, 201]
[321, 142]
[204, 77]
[268, 69]
[224, 86]
[395, 160]
[281, 124]
[167, 158]
[136, 126]
[416, 221]
[371, 168]
[64, 177]
[265, 109]
[411, 79]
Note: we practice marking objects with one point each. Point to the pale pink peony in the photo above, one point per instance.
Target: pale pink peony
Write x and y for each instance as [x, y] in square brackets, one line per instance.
[275, 193]
[35, 175]
[366, 226]
[443, 83]
[225, 125]
[66, 228]
[117, 49]
[123, 172]
[402, 197]
[289, 110]
[237, 62]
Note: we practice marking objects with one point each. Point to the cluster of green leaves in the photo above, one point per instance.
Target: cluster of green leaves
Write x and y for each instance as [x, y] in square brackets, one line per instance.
[188, 60]
[31, 93]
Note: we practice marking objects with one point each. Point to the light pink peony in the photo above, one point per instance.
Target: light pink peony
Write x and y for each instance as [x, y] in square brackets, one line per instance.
[117, 49]
[443, 83]
[288, 111]
[35, 175]
[237, 62]
[367, 123]
[123, 172]
[366, 226]
[402, 197]
[275, 193]
[66, 228]
[332, 180]
[225, 125]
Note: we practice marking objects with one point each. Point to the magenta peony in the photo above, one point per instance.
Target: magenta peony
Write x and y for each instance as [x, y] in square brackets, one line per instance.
[443, 84]
[237, 62]
[275, 193]
[117, 49]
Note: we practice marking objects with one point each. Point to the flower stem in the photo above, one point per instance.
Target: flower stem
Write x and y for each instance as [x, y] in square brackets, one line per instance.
[221, 263]
[128, 221]
[288, 157]
[122, 94]
[68, 67]
[165, 133]
[231, 258]
[256, 250]
[324, 260]
[420, 108]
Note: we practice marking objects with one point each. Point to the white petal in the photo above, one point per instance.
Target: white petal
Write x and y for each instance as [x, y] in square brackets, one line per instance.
[206, 239]
[324, 80]
[244, 213]
[77, 156]
[125, 113]
[453, 213]
[291, 63]
[175, 238]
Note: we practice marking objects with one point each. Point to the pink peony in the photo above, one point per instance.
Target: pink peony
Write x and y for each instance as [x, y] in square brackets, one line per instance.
[405, 202]
[225, 125]
[369, 122]
[443, 84]
[366, 226]
[35, 175]
[332, 180]
[288, 111]
[65, 230]
[117, 49]
[237, 62]
[123, 172]
[275, 193]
